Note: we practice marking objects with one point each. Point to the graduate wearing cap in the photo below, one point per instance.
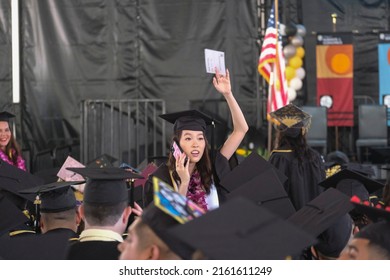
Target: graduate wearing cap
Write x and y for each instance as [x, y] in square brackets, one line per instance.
[10, 216]
[9, 149]
[58, 208]
[148, 237]
[334, 239]
[191, 172]
[12, 181]
[303, 166]
[354, 183]
[373, 241]
[143, 241]
[327, 218]
[105, 211]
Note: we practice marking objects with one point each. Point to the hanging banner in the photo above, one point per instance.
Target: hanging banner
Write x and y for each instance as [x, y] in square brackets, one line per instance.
[334, 57]
[384, 71]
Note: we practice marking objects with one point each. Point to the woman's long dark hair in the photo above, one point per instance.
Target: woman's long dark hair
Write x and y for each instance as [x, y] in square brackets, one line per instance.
[12, 150]
[297, 144]
[203, 166]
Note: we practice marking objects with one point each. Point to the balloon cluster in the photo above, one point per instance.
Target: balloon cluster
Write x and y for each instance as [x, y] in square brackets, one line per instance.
[294, 52]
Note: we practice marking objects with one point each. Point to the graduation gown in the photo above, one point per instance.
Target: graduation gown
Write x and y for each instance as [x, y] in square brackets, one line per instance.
[303, 177]
[98, 248]
[72, 235]
[94, 250]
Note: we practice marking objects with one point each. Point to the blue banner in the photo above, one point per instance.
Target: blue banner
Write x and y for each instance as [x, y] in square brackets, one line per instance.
[384, 72]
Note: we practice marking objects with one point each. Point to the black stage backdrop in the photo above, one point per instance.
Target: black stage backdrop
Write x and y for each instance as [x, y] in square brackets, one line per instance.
[76, 50]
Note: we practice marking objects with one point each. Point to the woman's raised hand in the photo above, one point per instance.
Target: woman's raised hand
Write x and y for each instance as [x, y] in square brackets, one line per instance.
[222, 83]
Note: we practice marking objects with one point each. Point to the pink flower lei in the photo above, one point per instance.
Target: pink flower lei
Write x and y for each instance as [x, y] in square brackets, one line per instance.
[196, 191]
[19, 160]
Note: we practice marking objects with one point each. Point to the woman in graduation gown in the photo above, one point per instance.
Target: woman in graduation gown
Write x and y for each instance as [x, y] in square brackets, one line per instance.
[191, 173]
[9, 148]
[303, 166]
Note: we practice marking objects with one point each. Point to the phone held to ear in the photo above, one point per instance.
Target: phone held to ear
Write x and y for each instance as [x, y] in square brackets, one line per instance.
[177, 151]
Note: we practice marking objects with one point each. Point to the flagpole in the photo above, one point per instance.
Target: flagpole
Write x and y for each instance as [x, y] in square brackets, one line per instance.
[334, 21]
[274, 73]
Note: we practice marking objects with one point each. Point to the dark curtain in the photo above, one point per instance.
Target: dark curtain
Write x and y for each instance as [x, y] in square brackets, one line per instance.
[5, 56]
[96, 49]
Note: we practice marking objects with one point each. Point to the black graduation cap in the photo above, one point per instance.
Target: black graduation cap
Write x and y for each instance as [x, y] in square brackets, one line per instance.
[48, 175]
[56, 196]
[6, 116]
[13, 179]
[105, 185]
[352, 186]
[378, 233]
[240, 230]
[266, 191]
[10, 215]
[102, 161]
[188, 120]
[290, 119]
[192, 120]
[169, 210]
[375, 213]
[160, 222]
[365, 170]
[51, 246]
[334, 239]
[252, 166]
[321, 212]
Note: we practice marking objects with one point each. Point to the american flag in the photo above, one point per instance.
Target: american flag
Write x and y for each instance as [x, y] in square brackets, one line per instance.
[272, 66]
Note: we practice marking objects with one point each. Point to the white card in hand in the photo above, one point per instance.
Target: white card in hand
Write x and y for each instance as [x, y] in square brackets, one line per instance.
[214, 59]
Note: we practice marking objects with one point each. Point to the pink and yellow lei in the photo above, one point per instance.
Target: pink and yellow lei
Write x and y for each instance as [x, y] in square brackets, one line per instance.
[19, 160]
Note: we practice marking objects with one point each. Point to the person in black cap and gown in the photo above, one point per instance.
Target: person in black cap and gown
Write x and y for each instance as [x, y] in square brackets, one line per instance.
[105, 211]
[147, 238]
[373, 241]
[303, 166]
[58, 210]
[191, 173]
[9, 149]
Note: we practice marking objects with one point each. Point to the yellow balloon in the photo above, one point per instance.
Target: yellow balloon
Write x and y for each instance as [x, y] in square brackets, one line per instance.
[295, 62]
[290, 73]
[300, 52]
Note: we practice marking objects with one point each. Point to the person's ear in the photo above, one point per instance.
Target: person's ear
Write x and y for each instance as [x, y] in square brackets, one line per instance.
[126, 214]
[78, 216]
[42, 226]
[81, 212]
[154, 252]
[314, 252]
[355, 230]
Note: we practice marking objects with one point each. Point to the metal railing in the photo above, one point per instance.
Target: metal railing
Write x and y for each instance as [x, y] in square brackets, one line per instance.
[129, 130]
